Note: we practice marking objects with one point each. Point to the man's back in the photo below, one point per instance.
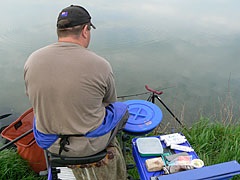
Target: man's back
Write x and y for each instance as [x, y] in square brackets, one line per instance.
[69, 86]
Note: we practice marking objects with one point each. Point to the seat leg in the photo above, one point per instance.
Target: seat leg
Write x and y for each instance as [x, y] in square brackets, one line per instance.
[53, 173]
[124, 139]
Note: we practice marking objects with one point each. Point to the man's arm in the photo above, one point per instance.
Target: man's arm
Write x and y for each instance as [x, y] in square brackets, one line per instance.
[110, 94]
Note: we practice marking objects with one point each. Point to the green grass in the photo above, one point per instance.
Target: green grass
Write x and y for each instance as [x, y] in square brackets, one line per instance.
[13, 167]
[214, 142]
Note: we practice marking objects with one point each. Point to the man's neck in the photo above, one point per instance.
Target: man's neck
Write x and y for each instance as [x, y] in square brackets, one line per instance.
[71, 40]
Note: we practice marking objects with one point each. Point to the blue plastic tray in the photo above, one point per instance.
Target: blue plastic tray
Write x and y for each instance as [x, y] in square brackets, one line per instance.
[140, 161]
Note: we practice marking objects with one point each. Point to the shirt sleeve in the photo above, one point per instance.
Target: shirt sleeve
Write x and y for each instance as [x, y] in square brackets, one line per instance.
[111, 94]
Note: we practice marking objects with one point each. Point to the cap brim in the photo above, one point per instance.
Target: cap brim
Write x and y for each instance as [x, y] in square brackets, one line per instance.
[91, 24]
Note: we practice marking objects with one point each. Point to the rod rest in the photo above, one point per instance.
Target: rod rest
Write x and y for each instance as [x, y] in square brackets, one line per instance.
[62, 161]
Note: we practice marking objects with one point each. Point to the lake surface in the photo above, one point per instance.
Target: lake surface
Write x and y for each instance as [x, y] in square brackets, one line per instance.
[191, 49]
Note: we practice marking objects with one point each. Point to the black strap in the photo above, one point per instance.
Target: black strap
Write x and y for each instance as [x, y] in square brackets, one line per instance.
[64, 140]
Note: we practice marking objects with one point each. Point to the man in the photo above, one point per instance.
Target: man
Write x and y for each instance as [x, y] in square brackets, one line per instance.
[72, 92]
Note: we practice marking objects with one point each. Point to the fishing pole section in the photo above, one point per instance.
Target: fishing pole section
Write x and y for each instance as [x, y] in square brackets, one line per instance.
[155, 94]
[5, 115]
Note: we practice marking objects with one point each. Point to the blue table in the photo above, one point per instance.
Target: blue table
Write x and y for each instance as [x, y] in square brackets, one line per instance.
[219, 171]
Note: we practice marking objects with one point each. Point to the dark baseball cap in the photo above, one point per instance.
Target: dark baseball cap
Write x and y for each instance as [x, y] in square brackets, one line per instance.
[73, 16]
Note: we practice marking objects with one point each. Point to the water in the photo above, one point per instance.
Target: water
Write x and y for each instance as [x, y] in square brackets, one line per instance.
[191, 48]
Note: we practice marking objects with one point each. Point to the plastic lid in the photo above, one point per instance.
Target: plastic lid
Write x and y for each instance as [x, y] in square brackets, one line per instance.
[149, 146]
[144, 117]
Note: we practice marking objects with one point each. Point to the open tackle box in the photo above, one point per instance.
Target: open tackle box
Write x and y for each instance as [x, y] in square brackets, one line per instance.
[145, 148]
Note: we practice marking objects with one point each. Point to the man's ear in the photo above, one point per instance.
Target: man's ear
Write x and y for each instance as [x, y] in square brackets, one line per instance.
[85, 31]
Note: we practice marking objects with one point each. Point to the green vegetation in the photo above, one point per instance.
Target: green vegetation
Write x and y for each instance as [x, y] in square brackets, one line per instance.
[214, 142]
[13, 167]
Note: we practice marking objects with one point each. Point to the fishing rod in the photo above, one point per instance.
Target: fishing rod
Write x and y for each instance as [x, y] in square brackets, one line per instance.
[5, 115]
[139, 94]
[155, 94]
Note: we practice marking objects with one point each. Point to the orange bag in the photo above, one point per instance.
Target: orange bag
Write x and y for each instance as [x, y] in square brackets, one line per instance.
[27, 147]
